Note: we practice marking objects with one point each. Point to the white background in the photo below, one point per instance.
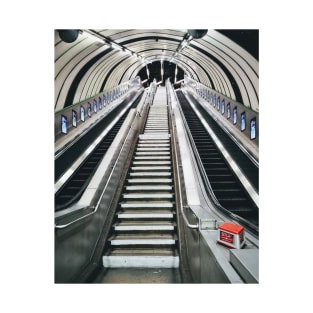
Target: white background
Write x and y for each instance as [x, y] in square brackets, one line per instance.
[27, 156]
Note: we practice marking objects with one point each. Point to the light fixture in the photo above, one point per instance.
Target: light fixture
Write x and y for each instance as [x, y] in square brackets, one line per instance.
[197, 33]
[96, 36]
[68, 35]
[148, 73]
[116, 46]
[183, 44]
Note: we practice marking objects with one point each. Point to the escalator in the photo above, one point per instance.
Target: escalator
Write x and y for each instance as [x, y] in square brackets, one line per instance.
[247, 165]
[225, 185]
[72, 190]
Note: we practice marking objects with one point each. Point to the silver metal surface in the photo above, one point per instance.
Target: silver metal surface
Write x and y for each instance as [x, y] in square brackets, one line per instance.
[179, 180]
[246, 263]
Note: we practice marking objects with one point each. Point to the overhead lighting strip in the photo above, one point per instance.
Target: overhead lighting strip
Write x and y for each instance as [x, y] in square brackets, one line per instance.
[106, 40]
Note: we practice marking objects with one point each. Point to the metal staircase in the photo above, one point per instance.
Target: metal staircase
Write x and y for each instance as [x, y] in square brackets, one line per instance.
[144, 232]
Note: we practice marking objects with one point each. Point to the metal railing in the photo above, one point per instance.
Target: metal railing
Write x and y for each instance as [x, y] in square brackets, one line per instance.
[181, 207]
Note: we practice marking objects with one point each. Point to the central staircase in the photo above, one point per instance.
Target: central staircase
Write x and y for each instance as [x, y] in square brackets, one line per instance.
[144, 234]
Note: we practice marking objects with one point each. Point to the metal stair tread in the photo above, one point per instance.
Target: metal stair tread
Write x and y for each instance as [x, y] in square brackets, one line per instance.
[147, 145]
[145, 214]
[149, 204]
[147, 157]
[151, 162]
[149, 187]
[140, 261]
[150, 174]
[150, 180]
[133, 223]
[140, 225]
[153, 149]
[168, 251]
[140, 236]
[147, 168]
[151, 195]
[152, 153]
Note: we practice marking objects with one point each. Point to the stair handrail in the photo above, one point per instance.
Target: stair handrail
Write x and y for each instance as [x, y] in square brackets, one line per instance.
[181, 207]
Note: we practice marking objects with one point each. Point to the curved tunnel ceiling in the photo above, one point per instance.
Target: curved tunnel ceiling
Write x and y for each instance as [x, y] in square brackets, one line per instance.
[94, 61]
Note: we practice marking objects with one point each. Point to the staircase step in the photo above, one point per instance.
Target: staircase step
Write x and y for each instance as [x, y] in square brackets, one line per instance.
[147, 239]
[140, 205]
[156, 130]
[154, 143]
[154, 174]
[156, 153]
[149, 168]
[151, 162]
[164, 157]
[148, 187]
[153, 149]
[148, 145]
[155, 136]
[147, 195]
[144, 226]
[144, 214]
[143, 251]
[140, 261]
[150, 181]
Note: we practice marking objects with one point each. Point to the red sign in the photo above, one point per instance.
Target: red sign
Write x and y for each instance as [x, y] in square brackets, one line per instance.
[226, 237]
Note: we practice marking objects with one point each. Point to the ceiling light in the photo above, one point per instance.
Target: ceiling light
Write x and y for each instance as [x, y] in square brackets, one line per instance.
[116, 46]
